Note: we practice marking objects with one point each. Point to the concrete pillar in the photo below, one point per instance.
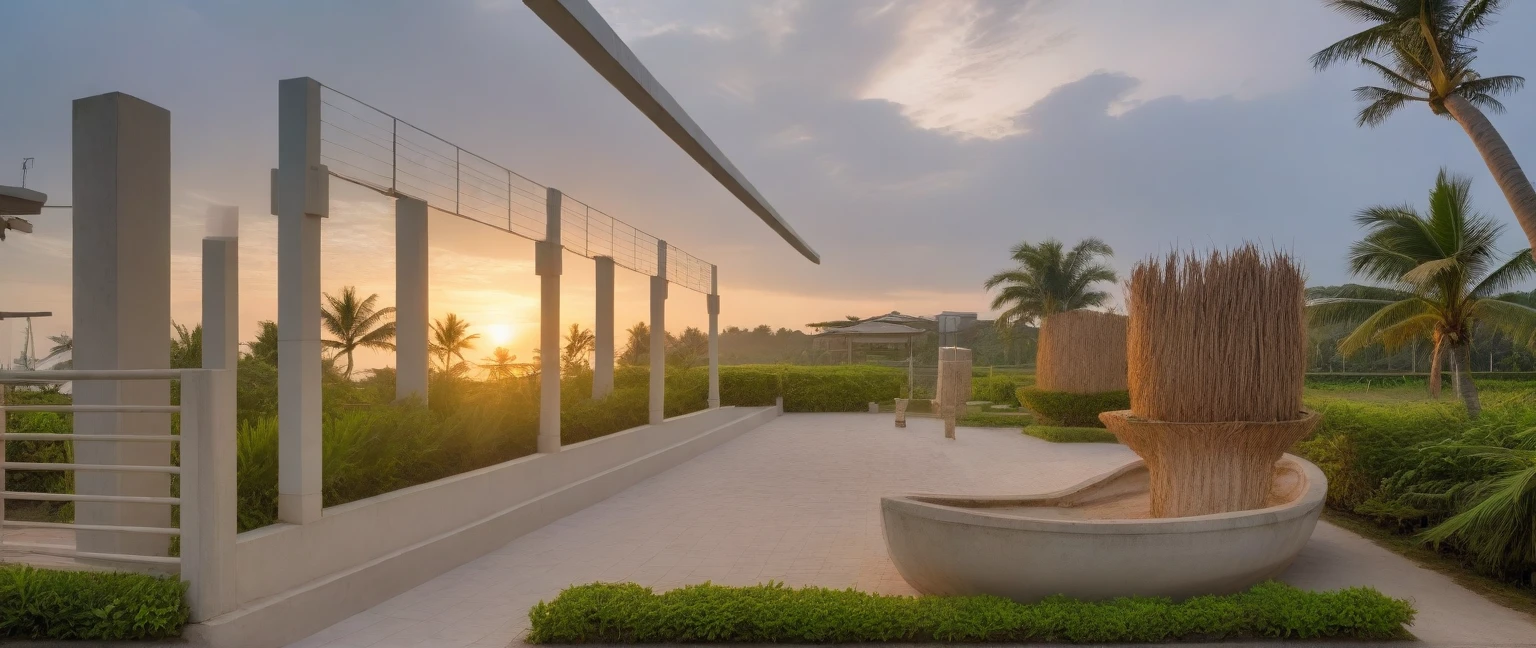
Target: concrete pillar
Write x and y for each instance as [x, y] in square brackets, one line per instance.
[209, 509]
[602, 347]
[122, 308]
[411, 299]
[221, 289]
[300, 199]
[548, 265]
[714, 336]
[659, 336]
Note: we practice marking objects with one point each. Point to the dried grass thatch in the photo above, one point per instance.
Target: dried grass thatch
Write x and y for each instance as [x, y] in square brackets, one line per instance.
[1220, 338]
[1081, 352]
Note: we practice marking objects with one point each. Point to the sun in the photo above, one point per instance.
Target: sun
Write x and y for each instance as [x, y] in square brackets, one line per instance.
[500, 334]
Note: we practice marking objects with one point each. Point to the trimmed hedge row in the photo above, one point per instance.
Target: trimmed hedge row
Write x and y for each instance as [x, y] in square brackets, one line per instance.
[1072, 410]
[840, 388]
[772, 613]
[100, 606]
[1056, 434]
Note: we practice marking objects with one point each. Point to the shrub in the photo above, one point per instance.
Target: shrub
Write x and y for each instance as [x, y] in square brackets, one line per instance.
[1357, 445]
[994, 419]
[1072, 410]
[99, 606]
[1056, 434]
[1002, 389]
[772, 613]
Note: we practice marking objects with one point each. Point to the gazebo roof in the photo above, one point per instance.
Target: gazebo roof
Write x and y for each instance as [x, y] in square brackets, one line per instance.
[871, 328]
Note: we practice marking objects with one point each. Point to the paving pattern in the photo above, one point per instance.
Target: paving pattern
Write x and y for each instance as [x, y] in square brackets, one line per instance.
[797, 501]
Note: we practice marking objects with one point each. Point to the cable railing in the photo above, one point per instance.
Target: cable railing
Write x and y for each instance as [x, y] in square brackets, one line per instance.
[371, 148]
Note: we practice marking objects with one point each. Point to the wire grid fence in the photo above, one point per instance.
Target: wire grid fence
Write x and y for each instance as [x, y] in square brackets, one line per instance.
[369, 147]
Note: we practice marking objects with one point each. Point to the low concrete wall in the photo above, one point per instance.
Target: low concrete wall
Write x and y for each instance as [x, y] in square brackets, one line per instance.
[294, 580]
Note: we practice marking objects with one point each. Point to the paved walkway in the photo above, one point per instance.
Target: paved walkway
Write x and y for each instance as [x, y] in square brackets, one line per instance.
[797, 501]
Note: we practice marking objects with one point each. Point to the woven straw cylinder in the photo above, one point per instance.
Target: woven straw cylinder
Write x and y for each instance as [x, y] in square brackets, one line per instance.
[1205, 468]
[1081, 352]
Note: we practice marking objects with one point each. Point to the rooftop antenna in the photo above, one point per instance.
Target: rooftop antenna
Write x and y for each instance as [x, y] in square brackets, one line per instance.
[26, 163]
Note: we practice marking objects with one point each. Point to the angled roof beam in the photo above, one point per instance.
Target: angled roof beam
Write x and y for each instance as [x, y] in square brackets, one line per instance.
[585, 31]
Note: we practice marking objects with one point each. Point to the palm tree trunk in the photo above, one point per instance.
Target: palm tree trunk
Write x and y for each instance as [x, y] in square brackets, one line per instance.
[1461, 359]
[1436, 360]
[1501, 162]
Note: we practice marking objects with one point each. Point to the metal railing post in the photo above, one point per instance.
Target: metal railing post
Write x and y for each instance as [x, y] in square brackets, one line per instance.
[208, 508]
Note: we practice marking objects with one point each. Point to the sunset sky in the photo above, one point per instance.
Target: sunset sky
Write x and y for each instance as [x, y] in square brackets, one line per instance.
[910, 143]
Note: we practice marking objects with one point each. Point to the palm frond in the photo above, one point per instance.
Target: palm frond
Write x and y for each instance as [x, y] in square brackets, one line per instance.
[1398, 80]
[1369, 330]
[1518, 268]
[1380, 104]
[1474, 15]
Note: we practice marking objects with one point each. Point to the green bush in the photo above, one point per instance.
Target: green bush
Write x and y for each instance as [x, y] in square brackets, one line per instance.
[98, 606]
[1357, 445]
[772, 613]
[1057, 434]
[994, 419]
[1072, 410]
[1002, 389]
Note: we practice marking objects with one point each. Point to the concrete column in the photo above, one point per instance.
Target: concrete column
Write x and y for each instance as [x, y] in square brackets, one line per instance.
[659, 336]
[209, 510]
[300, 191]
[602, 347]
[411, 299]
[548, 265]
[122, 308]
[221, 289]
[714, 336]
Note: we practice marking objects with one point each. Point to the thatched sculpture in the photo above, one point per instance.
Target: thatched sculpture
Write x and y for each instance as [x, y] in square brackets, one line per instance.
[1081, 352]
[954, 385]
[1216, 349]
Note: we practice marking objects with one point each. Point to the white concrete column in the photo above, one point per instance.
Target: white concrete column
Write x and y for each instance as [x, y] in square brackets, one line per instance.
[659, 336]
[221, 288]
[209, 510]
[301, 197]
[714, 336]
[548, 265]
[411, 299]
[602, 347]
[122, 308]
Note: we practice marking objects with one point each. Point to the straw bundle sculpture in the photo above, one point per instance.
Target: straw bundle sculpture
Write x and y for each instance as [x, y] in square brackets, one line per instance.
[1217, 339]
[1216, 348]
[1081, 352]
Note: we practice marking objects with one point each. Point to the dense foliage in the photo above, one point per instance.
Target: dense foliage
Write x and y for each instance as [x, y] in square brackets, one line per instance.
[772, 613]
[1072, 410]
[1057, 434]
[99, 606]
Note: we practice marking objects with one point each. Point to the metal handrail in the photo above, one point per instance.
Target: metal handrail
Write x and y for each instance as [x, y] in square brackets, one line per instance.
[90, 409]
[119, 438]
[66, 467]
[71, 375]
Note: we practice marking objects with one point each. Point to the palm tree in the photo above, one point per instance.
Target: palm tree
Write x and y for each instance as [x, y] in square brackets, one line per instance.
[1429, 48]
[638, 350]
[264, 347]
[62, 344]
[356, 324]
[578, 343]
[450, 339]
[1443, 277]
[501, 364]
[1050, 280]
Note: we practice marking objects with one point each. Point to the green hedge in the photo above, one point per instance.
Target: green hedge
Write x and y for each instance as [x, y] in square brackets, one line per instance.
[1002, 389]
[1057, 434]
[1072, 410]
[838, 388]
[99, 606]
[630, 613]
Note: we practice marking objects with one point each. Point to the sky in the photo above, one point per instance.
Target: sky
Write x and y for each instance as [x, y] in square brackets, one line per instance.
[910, 143]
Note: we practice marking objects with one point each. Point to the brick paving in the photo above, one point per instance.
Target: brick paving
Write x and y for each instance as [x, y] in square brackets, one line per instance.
[797, 501]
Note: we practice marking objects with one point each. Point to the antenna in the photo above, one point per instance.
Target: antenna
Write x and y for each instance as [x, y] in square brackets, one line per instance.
[26, 163]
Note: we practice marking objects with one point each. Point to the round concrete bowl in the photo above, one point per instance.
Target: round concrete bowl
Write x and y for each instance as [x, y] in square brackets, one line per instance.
[1097, 541]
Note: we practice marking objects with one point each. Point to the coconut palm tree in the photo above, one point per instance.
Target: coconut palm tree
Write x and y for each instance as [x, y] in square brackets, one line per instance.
[1050, 279]
[579, 342]
[62, 344]
[1427, 48]
[450, 339]
[501, 364]
[264, 347]
[1443, 278]
[356, 324]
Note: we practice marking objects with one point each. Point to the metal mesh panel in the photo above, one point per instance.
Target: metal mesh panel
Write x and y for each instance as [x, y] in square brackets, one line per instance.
[367, 146]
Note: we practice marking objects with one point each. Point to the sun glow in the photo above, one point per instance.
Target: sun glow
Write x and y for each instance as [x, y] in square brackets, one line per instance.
[499, 334]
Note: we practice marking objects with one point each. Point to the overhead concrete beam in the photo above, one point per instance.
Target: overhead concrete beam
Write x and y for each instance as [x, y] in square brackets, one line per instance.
[576, 22]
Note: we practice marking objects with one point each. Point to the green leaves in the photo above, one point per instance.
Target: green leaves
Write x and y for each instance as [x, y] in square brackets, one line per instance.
[773, 613]
[1072, 410]
[102, 606]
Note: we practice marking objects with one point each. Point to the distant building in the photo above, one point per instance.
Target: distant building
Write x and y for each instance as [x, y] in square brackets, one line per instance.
[953, 325]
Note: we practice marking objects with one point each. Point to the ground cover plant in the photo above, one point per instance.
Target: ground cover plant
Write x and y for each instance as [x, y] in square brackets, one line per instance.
[100, 606]
[773, 613]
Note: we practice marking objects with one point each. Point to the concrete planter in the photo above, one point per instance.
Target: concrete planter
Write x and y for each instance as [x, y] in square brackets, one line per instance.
[1097, 540]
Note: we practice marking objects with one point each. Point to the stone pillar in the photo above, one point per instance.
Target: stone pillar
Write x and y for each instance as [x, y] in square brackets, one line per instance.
[122, 309]
[300, 199]
[221, 288]
[209, 505]
[714, 336]
[954, 388]
[602, 347]
[411, 301]
[547, 263]
[659, 336]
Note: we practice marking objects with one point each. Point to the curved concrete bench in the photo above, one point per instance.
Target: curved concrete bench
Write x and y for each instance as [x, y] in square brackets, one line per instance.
[1096, 540]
